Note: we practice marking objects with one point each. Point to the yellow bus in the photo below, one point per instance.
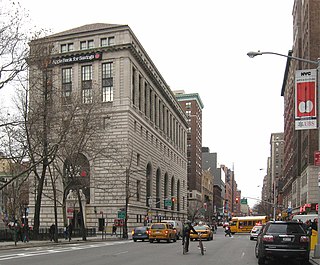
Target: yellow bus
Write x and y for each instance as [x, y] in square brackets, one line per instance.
[244, 224]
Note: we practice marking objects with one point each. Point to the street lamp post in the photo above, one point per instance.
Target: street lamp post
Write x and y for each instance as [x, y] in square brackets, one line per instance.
[317, 63]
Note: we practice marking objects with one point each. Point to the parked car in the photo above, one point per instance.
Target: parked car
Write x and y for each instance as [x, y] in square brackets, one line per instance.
[255, 231]
[177, 225]
[162, 231]
[140, 233]
[283, 239]
[204, 230]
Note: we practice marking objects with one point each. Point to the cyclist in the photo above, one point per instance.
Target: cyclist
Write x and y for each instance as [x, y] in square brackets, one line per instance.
[187, 228]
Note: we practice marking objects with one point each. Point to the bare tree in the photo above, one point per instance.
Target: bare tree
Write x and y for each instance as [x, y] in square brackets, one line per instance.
[73, 165]
[13, 40]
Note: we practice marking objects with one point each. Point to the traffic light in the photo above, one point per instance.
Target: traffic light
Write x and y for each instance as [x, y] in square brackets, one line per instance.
[173, 199]
[237, 199]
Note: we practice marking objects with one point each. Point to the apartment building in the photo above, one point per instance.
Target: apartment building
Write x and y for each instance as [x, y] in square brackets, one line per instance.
[192, 106]
[300, 174]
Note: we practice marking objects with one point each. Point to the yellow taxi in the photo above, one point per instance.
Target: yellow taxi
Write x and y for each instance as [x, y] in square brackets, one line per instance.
[204, 230]
[162, 231]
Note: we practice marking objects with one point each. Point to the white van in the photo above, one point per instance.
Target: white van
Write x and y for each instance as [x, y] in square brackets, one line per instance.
[304, 217]
[177, 225]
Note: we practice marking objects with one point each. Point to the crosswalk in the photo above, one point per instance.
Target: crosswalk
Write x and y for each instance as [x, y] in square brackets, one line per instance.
[39, 251]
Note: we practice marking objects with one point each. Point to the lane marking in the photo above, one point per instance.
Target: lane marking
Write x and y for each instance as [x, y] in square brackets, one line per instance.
[60, 250]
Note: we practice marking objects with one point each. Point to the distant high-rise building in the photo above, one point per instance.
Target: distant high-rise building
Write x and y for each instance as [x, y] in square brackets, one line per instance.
[209, 162]
[276, 166]
[192, 106]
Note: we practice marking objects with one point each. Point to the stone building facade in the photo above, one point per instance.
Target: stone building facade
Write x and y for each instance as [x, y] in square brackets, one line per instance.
[300, 174]
[140, 126]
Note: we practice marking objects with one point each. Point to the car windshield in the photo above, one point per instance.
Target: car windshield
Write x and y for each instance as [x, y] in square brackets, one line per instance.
[158, 226]
[285, 228]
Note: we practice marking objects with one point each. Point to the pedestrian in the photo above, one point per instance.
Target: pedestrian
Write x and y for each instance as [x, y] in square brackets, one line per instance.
[26, 229]
[114, 230]
[65, 232]
[70, 229]
[314, 224]
[52, 231]
[187, 228]
[227, 231]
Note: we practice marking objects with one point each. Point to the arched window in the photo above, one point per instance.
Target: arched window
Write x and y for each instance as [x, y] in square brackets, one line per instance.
[178, 195]
[148, 184]
[172, 193]
[158, 188]
[77, 174]
[165, 188]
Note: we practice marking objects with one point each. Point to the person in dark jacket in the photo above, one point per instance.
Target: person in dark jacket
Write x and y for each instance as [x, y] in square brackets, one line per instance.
[187, 228]
[52, 231]
[70, 228]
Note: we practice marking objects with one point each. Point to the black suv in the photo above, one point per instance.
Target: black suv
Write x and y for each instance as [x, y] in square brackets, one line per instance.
[285, 239]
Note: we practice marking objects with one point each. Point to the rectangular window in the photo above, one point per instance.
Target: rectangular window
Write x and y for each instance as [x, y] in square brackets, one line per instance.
[63, 48]
[90, 44]
[111, 41]
[138, 189]
[68, 47]
[83, 45]
[66, 82]
[107, 41]
[188, 105]
[138, 160]
[107, 82]
[133, 86]
[86, 78]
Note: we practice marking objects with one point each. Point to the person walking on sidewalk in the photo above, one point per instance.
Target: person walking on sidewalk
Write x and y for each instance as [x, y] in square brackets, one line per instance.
[51, 232]
[65, 232]
[70, 228]
[114, 230]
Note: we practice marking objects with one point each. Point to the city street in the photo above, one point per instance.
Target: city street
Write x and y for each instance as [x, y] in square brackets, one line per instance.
[221, 251]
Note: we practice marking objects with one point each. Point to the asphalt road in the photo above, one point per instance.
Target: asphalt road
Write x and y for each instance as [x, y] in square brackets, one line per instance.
[238, 250]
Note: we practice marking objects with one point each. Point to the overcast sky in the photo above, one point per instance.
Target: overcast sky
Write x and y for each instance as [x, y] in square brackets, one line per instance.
[200, 47]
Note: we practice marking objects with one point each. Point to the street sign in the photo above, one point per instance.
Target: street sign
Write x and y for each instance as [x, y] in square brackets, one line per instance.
[167, 202]
[121, 215]
[244, 201]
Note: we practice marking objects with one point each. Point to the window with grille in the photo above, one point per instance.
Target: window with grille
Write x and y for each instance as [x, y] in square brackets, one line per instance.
[107, 82]
[66, 82]
[107, 41]
[86, 44]
[86, 83]
[66, 47]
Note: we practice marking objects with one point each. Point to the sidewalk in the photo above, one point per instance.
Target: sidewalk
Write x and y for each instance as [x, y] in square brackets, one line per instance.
[312, 259]
[61, 241]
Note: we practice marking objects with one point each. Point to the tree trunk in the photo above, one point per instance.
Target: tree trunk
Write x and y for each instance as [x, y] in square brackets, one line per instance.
[83, 229]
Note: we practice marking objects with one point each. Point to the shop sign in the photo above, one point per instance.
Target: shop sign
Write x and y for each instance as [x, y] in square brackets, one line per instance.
[77, 58]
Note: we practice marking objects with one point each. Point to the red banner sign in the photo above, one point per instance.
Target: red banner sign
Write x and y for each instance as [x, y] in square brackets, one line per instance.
[305, 102]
